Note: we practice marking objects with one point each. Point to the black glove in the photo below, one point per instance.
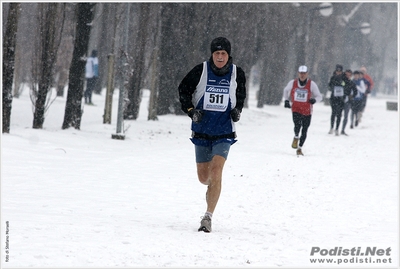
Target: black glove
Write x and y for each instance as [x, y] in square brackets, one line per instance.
[312, 101]
[235, 114]
[287, 104]
[196, 115]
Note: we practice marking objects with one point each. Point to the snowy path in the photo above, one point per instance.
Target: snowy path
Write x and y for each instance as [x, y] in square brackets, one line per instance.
[79, 198]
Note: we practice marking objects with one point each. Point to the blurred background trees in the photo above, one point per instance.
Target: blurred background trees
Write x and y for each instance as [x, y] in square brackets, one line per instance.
[155, 44]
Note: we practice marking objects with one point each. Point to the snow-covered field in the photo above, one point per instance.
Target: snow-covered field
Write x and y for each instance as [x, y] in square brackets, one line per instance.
[78, 198]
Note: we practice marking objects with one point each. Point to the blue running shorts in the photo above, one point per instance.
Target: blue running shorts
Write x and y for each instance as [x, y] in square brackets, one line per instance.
[205, 150]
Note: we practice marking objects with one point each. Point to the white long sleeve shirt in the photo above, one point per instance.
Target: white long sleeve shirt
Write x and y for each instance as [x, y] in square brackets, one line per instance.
[316, 94]
[92, 68]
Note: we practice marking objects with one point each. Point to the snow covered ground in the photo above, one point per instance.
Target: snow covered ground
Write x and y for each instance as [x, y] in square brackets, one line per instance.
[77, 198]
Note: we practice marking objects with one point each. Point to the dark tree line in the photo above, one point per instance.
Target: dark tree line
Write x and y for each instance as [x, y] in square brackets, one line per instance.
[164, 41]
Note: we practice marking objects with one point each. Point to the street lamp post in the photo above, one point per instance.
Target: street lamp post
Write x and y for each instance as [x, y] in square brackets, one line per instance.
[365, 27]
[325, 9]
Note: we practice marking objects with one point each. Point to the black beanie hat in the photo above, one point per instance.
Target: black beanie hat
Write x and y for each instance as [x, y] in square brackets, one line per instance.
[221, 43]
[339, 67]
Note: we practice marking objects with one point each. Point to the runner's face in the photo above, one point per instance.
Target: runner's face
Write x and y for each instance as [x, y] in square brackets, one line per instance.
[303, 75]
[220, 58]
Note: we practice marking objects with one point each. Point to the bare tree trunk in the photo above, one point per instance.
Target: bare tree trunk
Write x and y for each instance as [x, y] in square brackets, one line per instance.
[102, 43]
[132, 109]
[64, 54]
[8, 63]
[273, 68]
[27, 20]
[155, 66]
[18, 84]
[111, 67]
[166, 56]
[278, 54]
[61, 82]
[154, 87]
[176, 16]
[73, 111]
[50, 38]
